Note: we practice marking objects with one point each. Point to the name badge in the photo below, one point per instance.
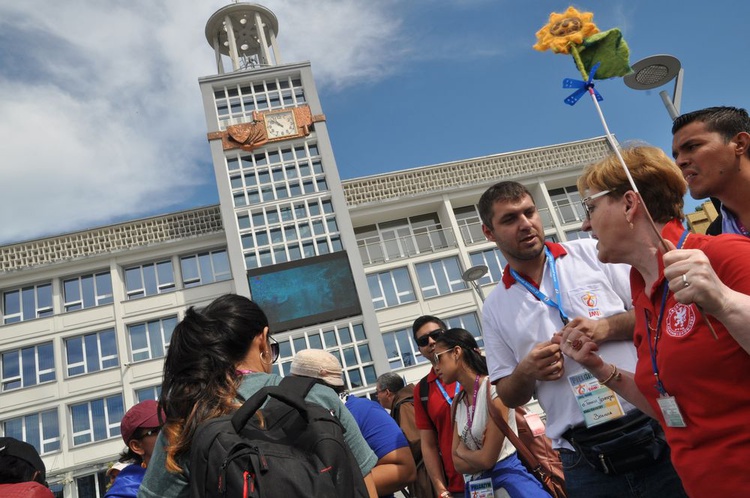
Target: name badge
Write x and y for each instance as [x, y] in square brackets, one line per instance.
[481, 488]
[598, 403]
[670, 411]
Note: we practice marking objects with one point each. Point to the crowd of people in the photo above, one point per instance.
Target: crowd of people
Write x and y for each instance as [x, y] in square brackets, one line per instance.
[633, 342]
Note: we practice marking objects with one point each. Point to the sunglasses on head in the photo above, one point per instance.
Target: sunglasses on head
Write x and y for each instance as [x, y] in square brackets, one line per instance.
[425, 339]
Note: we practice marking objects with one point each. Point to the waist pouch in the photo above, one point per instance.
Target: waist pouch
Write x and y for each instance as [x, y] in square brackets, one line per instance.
[623, 445]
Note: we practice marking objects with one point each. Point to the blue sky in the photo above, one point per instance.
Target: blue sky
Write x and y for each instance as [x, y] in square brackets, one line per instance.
[102, 120]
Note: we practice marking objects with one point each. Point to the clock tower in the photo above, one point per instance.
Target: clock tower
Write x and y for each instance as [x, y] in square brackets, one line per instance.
[290, 238]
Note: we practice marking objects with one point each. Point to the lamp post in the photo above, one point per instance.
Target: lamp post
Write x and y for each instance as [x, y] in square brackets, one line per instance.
[655, 71]
[472, 275]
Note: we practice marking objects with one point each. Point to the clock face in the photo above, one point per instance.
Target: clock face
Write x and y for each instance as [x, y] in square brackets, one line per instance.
[280, 124]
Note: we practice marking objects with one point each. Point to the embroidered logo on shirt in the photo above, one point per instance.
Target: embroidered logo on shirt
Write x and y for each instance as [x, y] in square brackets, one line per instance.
[680, 320]
[590, 300]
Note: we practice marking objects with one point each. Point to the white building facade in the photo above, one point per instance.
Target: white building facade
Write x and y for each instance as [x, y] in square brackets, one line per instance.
[86, 318]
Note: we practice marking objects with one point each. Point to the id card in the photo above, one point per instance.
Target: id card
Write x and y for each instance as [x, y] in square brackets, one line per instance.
[598, 403]
[670, 411]
[481, 488]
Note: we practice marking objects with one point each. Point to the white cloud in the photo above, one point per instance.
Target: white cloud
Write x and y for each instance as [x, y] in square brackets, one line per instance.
[102, 116]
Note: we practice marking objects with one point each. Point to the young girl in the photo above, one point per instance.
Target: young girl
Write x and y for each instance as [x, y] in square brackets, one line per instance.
[480, 450]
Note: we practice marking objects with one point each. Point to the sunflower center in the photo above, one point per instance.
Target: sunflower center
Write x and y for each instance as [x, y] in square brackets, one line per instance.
[566, 26]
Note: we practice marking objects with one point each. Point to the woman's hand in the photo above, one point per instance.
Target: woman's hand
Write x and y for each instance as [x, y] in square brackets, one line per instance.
[578, 346]
[692, 279]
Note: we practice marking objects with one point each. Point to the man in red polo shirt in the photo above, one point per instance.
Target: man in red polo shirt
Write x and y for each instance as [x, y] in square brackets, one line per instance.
[433, 415]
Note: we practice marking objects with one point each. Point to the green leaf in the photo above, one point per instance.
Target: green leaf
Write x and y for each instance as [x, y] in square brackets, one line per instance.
[608, 48]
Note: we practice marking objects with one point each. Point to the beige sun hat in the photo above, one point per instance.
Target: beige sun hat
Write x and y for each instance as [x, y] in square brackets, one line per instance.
[318, 364]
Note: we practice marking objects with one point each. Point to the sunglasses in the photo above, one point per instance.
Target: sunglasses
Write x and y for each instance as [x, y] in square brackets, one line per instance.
[585, 202]
[150, 432]
[425, 339]
[274, 348]
[436, 356]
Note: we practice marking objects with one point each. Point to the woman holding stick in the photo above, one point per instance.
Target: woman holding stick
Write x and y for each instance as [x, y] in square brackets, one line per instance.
[685, 377]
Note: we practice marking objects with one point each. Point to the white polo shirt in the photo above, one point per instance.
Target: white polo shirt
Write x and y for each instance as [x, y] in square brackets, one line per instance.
[514, 321]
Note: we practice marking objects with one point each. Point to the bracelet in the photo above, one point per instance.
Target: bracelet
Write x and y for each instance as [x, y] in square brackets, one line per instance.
[614, 375]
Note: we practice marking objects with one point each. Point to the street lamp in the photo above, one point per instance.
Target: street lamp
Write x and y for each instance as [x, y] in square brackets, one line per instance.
[656, 71]
[472, 275]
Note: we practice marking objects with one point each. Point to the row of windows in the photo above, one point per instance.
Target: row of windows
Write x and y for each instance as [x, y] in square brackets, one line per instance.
[90, 421]
[84, 354]
[273, 164]
[347, 342]
[435, 278]
[288, 232]
[95, 289]
[402, 238]
[237, 103]
[403, 352]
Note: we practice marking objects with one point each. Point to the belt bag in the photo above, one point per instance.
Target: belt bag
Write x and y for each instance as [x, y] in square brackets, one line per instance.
[620, 446]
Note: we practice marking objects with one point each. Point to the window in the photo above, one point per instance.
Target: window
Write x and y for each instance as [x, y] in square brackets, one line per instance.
[402, 238]
[91, 352]
[403, 352]
[437, 278]
[42, 430]
[27, 366]
[205, 268]
[390, 288]
[469, 224]
[92, 485]
[97, 419]
[149, 340]
[146, 393]
[27, 303]
[347, 342]
[87, 291]
[149, 279]
[577, 234]
[492, 259]
[567, 204]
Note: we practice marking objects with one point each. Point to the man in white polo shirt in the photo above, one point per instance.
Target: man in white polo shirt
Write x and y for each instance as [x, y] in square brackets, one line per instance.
[545, 287]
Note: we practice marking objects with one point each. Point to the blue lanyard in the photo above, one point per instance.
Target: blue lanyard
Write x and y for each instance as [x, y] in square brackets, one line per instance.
[652, 345]
[539, 294]
[448, 398]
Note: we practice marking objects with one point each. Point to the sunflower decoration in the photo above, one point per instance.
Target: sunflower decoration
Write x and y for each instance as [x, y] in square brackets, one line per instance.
[564, 30]
[573, 32]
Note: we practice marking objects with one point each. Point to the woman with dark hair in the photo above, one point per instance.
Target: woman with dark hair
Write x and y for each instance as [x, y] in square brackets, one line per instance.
[480, 450]
[692, 307]
[218, 356]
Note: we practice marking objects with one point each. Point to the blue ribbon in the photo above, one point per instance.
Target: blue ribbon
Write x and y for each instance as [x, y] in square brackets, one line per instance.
[583, 87]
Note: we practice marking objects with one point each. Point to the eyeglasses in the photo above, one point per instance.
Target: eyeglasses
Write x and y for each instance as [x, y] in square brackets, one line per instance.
[150, 432]
[274, 345]
[378, 391]
[437, 355]
[586, 208]
[425, 339]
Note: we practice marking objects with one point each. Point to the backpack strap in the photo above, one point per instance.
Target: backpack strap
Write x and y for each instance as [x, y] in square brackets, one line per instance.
[292, 391]
[395, 409]
[424, 396]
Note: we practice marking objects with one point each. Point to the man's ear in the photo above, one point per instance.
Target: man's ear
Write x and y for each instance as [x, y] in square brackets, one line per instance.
[488, 233]
[741, 143]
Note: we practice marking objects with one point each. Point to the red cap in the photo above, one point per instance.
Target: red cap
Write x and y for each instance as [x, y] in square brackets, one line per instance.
[145, 414]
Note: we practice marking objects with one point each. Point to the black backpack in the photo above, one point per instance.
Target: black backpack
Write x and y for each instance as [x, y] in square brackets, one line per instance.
[288, 448]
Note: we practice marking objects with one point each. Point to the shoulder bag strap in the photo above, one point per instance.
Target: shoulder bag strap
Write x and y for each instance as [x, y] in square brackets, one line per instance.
[500, 422]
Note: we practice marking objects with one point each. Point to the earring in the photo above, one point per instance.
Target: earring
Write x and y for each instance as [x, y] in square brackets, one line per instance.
[631, 225]
[265, 353]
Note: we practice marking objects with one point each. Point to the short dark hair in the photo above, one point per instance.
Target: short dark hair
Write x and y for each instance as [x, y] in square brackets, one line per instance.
[502, 191]
[391, 381]
[419, 322]
[726, 121]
